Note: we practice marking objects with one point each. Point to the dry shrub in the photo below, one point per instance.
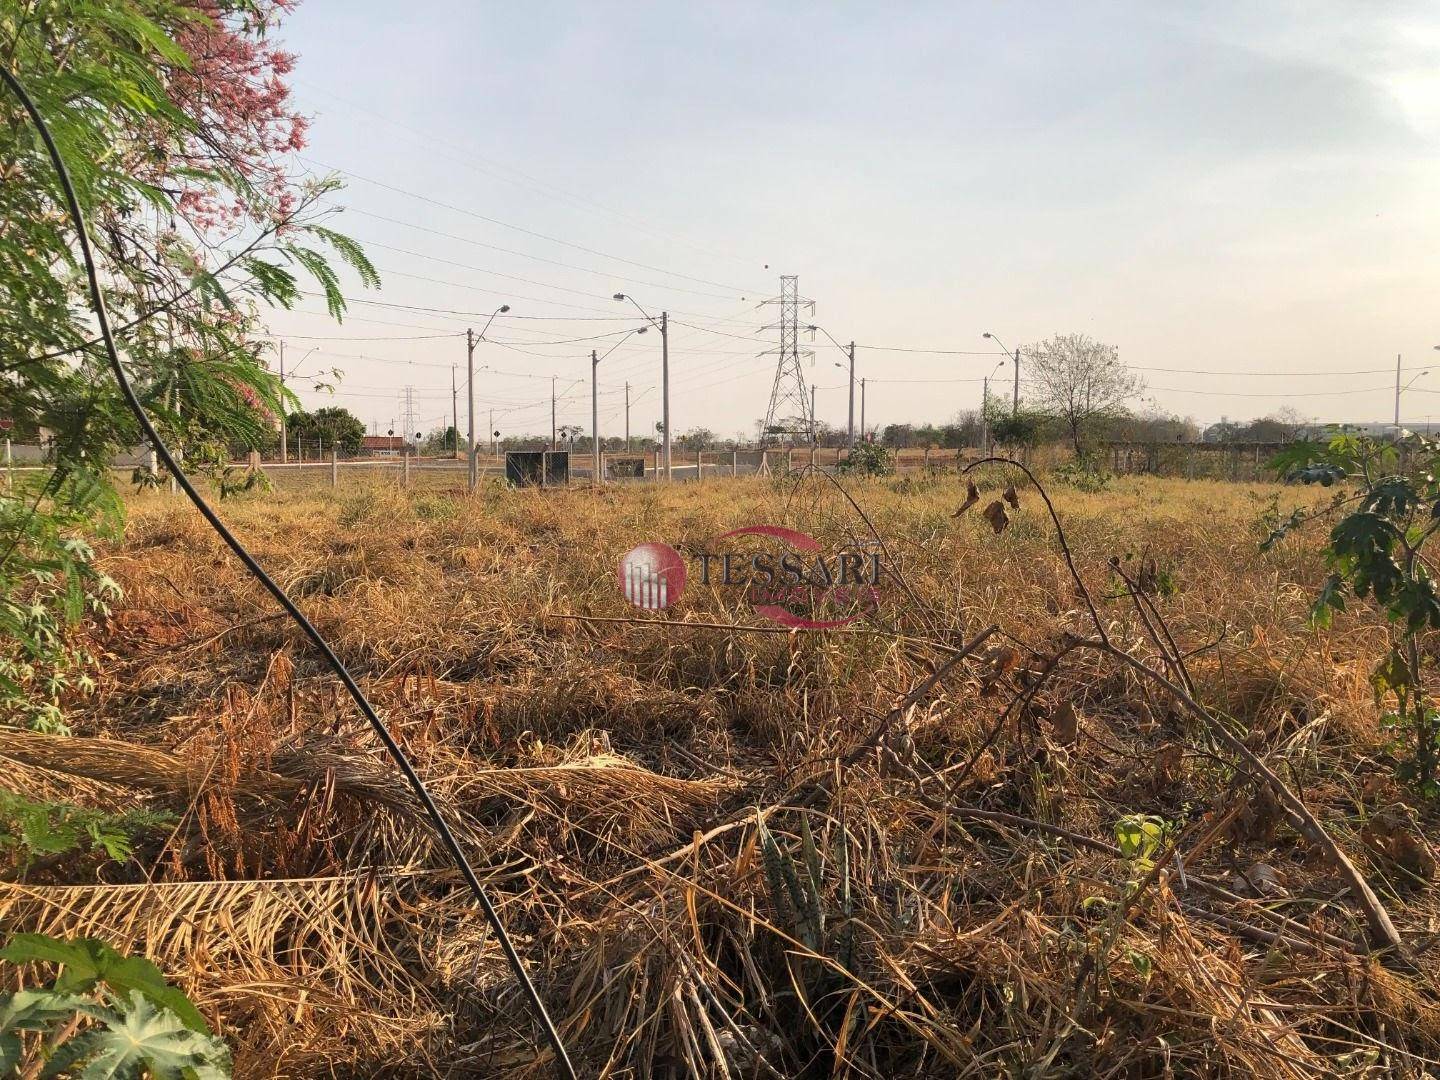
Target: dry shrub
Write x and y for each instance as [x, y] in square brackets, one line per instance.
[656, 808]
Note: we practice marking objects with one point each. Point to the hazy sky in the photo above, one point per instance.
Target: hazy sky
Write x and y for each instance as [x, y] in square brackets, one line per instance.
[1209, 187]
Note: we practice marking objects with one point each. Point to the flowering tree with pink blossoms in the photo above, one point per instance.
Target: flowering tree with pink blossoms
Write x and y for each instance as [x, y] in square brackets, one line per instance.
[177, 124]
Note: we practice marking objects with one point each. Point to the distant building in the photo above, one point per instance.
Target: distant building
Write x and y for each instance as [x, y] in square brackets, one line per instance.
[383, 445]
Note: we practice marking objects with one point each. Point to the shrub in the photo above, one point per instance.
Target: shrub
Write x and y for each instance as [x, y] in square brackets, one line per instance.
[138, 1024]
[868, 459]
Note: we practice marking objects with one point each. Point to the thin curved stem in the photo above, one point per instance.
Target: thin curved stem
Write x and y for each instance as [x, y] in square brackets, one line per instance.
[1059, 534]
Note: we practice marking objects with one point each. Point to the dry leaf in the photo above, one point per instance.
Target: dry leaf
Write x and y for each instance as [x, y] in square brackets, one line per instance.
[1002, 660]
[972, 496]
[1259, 879]
[1258, 818]
[1148, 580]
[1005, 659]
[996, 515]
[1376, 786]
[1066, 723]
[985, 769]
[1168, 763]
[1392, 833]
[1146, 722]
[1012, 498]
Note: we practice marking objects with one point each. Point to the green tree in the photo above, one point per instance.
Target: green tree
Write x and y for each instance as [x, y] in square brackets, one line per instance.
[439, 443]
[333, 424]
[1025, 426]
[700, 438]
[1081, 382]
[1376, 553]
[175, 122]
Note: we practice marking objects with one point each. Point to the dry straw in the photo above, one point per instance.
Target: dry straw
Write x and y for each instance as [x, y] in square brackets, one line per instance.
[731, 852]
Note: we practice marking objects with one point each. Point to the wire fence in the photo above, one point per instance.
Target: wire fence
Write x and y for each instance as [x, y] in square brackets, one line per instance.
[313, 465]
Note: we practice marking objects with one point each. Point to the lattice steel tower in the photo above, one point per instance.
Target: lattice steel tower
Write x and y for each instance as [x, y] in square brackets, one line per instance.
[409, 415]
[789, 412]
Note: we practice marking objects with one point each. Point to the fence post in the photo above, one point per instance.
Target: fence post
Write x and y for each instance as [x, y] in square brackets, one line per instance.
[734, 463]
[927, 460]
[405, 470]
[334, 467]
[9, 467]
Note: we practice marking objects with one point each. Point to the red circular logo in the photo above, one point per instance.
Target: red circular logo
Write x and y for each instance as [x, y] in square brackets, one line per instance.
[652, 576]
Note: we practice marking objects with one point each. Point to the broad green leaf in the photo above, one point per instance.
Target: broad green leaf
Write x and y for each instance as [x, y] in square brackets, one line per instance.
[34, 1010]
[145, 1039]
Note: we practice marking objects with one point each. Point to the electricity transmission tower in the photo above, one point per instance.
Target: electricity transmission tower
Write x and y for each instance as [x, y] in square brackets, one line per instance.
[410, 416]
[790, 412]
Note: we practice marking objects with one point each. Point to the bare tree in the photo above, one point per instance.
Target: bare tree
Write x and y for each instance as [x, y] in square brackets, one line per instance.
[1080, 381]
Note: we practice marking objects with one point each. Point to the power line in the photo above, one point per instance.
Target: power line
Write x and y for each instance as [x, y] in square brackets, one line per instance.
[521, 229]
[445, 312]
[437, 146]
[1200, 371]
[537, 258]
[492, 273]
[1131, 367]
[343, 337]
[1285, 394]
[481, 314]
[479, 288]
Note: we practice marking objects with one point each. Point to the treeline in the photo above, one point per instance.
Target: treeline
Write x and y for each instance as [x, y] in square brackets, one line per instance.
[1027, 425]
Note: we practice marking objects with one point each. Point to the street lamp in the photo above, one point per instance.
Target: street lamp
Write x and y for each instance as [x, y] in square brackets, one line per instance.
[595, 403]
[470, 340]
[628, 402]
[850, 437]
[284, 433]
[1400, 390]
[1015, 399]
[985, 407]
[664, 327]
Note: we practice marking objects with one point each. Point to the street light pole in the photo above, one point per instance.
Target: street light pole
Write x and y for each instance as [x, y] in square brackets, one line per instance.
[595, 359]
[984, 418]
[664, 327]
[594, 420]
[284, 435]
[1401, 389]
[850, 351]
[850, 435]
[470, 340]
[985, 408]
[1015, 394]
[454, 412]
[1397, 391]
[665, 389]
[474, 467]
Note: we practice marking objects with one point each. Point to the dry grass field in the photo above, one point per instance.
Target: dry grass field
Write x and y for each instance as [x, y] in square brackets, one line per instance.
[741, 852]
